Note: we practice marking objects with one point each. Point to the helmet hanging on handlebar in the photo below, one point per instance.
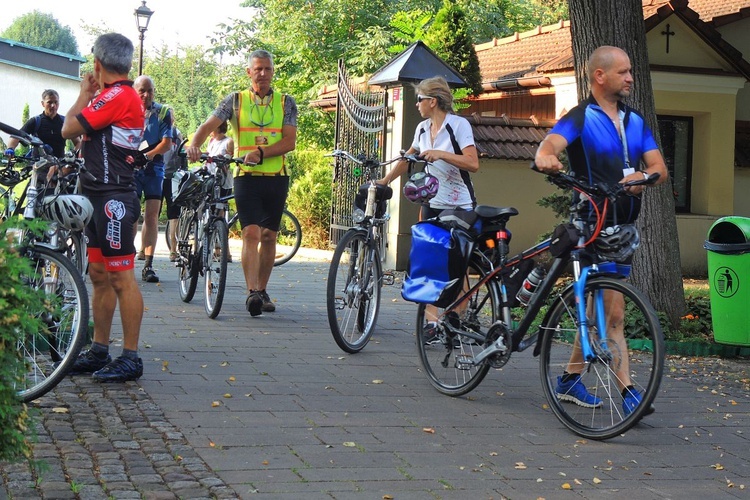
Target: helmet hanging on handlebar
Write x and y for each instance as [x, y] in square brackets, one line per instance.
[617, 243]
[421, 187]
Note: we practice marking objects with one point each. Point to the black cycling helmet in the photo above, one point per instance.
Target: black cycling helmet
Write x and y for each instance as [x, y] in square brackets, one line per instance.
[617, 243]
[186, 187]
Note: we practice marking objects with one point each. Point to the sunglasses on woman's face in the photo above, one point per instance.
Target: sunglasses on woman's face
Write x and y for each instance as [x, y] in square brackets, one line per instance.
[421, 98]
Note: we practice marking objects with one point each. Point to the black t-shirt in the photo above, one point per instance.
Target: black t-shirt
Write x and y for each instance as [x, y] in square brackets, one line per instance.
[50, 132]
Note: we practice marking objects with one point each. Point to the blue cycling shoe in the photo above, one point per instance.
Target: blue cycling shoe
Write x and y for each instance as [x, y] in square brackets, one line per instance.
[631, 400]
[575, 392]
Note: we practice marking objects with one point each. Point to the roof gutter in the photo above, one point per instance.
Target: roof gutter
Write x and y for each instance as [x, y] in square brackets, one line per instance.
[515, 83]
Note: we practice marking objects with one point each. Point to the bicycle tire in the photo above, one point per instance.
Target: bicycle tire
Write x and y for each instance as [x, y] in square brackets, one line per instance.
[189, 257]
[73, 246]
[355, 278]
[216, 253]
[288, 239]
[166, 234]
[645, 358]
[50, 354]
[447, 359]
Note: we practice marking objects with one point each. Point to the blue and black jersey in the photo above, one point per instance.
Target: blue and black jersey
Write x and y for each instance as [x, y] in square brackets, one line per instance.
[595, 148]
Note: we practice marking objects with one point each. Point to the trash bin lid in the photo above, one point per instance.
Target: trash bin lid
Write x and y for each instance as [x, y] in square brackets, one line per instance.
[729, 235]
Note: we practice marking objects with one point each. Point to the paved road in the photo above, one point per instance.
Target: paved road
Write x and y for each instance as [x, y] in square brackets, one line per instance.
[269, 407]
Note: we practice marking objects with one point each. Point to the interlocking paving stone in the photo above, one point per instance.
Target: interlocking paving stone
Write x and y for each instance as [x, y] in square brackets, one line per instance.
[298, 404]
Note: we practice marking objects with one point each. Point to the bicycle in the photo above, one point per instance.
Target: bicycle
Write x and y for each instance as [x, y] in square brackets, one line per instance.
[480, 329]
[356, 276]
[202, 232]
[51, 352]
[288, 237]
[70, 242]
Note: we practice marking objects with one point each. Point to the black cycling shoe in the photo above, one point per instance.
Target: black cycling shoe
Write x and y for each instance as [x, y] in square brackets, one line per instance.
[254, 303]
[149, 275]
[268, 305]
[87, 362]
[120, 370]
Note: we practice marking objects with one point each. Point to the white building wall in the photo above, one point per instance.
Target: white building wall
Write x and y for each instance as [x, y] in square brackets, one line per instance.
[24, 85]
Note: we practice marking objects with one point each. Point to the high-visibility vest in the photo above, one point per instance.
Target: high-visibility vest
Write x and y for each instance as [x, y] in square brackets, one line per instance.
[258, 126]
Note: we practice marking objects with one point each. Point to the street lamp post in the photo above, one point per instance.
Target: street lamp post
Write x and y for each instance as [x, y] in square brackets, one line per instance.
[142, 17]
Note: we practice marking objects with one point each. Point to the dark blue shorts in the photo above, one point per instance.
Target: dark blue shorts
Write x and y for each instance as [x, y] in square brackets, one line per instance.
[148, 183]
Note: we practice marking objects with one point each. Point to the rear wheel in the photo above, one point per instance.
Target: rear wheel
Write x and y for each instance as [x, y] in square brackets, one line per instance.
[447, 356]
[288, 239]
[638, 360]
[353, 291]
[216, 253]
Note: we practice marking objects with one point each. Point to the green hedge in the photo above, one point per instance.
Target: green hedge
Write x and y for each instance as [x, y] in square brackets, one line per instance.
[16, 299]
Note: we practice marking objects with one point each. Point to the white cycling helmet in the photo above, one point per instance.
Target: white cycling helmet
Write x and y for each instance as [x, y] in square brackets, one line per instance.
[71, 211]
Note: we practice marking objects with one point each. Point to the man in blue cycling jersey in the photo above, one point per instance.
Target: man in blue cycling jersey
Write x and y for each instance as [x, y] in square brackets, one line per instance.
[149, 178]
[606, 141]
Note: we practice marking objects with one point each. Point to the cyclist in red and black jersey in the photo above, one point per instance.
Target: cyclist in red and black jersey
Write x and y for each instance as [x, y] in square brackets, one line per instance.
[109, 113]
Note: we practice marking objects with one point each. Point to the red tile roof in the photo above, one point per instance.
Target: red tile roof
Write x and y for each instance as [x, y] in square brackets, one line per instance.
[548, 49]
[523, 53]
[708, 10]
[508, 138]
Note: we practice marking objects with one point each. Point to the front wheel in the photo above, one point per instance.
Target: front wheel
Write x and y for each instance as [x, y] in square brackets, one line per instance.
[446, 355]
[288, 239]
[216, 252]
[596, 404]
[188, 261]
[50, 352]
[353, 291]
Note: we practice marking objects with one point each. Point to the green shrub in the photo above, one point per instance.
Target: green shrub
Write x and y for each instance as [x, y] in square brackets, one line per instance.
[16, 299]
[310, 195]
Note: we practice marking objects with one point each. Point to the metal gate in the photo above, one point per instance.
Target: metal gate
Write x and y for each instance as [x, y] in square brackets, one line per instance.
[360, 129]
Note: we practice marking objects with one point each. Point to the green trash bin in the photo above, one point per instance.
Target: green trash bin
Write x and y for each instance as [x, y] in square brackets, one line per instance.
[728, 246]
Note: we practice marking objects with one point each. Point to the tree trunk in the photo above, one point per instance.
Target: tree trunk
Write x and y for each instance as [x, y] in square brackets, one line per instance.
[656, 267]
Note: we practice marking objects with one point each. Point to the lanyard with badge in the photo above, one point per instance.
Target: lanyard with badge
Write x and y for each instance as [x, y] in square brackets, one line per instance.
[627, 170]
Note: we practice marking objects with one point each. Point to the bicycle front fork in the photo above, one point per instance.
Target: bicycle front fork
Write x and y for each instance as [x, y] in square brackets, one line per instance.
[590, 307]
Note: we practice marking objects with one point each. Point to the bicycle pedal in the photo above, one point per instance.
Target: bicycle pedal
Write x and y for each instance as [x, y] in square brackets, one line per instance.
[464, 362]
[388, 278]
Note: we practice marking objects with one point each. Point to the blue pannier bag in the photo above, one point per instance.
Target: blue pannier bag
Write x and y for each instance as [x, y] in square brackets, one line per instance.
[438, 261]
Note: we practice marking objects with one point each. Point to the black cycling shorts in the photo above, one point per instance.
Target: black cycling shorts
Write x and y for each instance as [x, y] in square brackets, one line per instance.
[260, 200]
[110, 232]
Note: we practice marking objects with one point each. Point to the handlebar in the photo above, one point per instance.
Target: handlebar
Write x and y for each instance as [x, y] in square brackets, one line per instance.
[373, 162]
[23, 137]
[222, 160]
[600, 189]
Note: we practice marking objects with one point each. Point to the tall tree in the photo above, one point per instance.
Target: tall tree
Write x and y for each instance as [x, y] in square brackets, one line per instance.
[42, 30]
[656, 268]
[448, 36]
